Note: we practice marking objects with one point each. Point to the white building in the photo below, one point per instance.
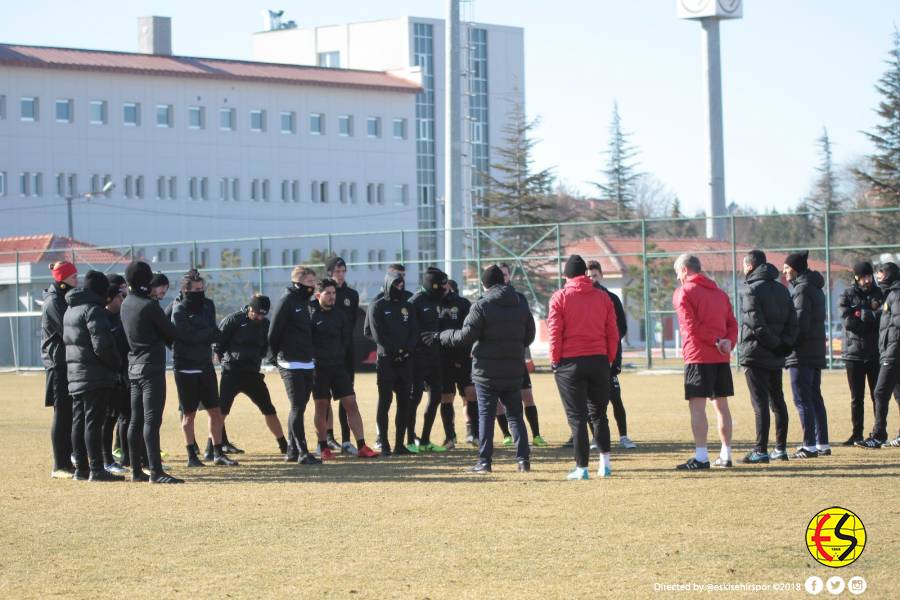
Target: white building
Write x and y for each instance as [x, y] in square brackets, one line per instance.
[493, 65]
[206, 149]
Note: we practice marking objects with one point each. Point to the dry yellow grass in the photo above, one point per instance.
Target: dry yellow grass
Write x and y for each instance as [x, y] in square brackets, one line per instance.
[423, 528]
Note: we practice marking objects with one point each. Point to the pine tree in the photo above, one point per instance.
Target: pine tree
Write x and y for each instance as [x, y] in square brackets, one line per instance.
[825, 194]
[882, 177]
[620, 174]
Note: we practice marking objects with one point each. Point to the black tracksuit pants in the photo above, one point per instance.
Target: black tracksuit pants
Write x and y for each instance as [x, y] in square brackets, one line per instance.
[426, 376]
[148, 401]
[394, 379]
[888, 378]
[767, 393]
[615, 398]
[298, 383]
[858, 374]
[57, 396]
[89, 411]
[583, 384]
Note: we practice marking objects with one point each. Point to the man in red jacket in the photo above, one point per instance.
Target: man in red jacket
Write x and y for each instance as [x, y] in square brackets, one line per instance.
[583, 344]
[708, 333]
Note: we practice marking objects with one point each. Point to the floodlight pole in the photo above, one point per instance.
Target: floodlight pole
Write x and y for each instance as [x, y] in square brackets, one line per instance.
[452, 142]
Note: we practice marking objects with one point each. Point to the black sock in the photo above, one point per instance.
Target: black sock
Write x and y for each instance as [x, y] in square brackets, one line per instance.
[323, 444]
[329, 435]
[192, 450]
[472, 412]
[469, 429]
[282, 445]
[304, 449]
[531, 415]
[225, 441]
[448, 415]
[217, 450]
[209, 445]
[504, 425]
[360, 442]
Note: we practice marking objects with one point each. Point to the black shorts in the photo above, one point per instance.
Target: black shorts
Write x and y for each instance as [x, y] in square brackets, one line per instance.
[57, 386]
[427, 376]
[708, 381]
[195, 389]
[251, 383]
[456, 376]
[332, 382]
[526, 380]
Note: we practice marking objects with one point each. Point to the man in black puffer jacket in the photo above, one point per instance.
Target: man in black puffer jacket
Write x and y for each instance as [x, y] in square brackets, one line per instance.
[194, 317]
[93, 364]
[291, 347]
[148, 331]
[768, 331]
[240, 350]
[499, 327]
[456, 365]
[889, 349]
[807, 360]
[860, 306]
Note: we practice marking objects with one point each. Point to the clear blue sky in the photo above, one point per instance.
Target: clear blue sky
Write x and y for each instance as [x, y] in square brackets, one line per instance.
[789, 68]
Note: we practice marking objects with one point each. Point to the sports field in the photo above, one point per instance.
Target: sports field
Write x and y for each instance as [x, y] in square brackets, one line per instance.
[421, 527]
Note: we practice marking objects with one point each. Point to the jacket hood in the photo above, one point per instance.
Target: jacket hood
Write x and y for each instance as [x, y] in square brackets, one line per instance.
[389, 280]
[79, 296]
[766, 272]
[812, 277]
[503, 295]
[891, 287]
[581, 284]
[701, 280]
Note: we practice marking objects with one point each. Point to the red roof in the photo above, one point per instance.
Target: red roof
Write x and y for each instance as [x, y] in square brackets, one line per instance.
[203, 68]
[48, 247]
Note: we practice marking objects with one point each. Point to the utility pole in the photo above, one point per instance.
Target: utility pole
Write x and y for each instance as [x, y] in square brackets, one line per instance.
[452, 144]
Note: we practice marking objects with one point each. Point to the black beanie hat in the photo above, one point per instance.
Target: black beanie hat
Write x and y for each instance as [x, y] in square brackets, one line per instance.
[575, 266]
[112, 291]
[332, 262]
[97, 282]
[798, 261]
[492, 276]
[862, 268]
[890, 272]
[116, 279]
[158, 280]
[434, 279]
[139, 275]
[260, 304]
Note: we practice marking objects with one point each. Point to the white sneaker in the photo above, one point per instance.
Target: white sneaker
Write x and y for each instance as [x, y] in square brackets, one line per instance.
[594, 446]
[578, 474]
[626, 443]
[377, 444]
[348, 448]
[334, 445]
[604, 472]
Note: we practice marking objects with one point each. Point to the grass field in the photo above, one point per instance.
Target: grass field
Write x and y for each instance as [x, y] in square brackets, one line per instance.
[421, 527]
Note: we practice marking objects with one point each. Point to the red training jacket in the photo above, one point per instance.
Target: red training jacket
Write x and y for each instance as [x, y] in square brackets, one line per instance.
[704, 315]
[582, 322]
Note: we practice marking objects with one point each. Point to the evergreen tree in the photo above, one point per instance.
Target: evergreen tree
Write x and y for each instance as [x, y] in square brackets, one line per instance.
[620, 174]
[825, 194]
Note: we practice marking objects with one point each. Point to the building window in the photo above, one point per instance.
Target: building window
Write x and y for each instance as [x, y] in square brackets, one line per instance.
[254, 190]
[226, 119]
[379, 193]
[163, 115]
[24, 184]
[173, 187]
[193, 188]
[131, 114]
[399, 129]
[317, 124]
[196, 117]
[373, 127]
[160, 187]
[345, 125]
[2, 107]
[342, 192]
[129, 186]
[265, 190]
[295, 191]
[401, 194]
[204, 258]
[204, 188]
[161, 255]
[173, 255]
[73, 185]
[381, 259]
[29, 109]
[257, 120]
[95, 184]
[296, 256]
[139, 186]
[254, 258]
[107, 179]
[98, 112]
[235, 189]
[354, 257]
[64, 111]
[2, 183]
[370, 193]
[331, 60]
[314, 192]
[223, 188]
[288, 122]
[352, 193]
[372, 258]
[323, 191]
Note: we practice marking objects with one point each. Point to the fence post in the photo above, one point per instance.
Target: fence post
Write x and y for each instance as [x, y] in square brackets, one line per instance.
[559, 267]
[402, 247]
[260, 265]
[478, 253]
[734, 290]
[828, 289]
[329, 245]
[648, 326]
[195, 258]
[18, 348]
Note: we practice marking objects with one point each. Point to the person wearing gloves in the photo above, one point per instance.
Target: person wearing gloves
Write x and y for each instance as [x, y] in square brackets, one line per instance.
[93, 364]
[391, 321]
[119, 413]
[53, 356]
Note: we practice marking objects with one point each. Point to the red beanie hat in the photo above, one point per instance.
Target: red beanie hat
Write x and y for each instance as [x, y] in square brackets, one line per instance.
[62, 270]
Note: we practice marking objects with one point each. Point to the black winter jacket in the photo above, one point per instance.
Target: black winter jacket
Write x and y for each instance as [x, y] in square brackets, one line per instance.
[243, 344]
[92, 358]
[148, 332]
[290, 333]
[197, 332]
[53, 351]
[809, 304]
[621, 324]
[500, 327]
[391, 324]
[118, 331]
[860, 311]
[889, 329]
[331, 335]
[453, 312]
[768, 321]
[428, 311]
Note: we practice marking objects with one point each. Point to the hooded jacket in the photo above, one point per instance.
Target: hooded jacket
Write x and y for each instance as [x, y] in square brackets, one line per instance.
[452, 313]
[290, 333]
[428, 310]
[809, 304]
[332, 335]
[197, 332]
[391, 323]
[92, 358]
[889, 329]
[860, 312]
[243, 344]
[148, 332]
[499, 327]
[582, 322]
[118, 332]
[768, 320]
[621, 325]
[53, 351]
[704, 316]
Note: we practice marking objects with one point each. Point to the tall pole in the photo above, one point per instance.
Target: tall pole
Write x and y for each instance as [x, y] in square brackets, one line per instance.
[715, 158]
[71, 220]
[452, 142]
